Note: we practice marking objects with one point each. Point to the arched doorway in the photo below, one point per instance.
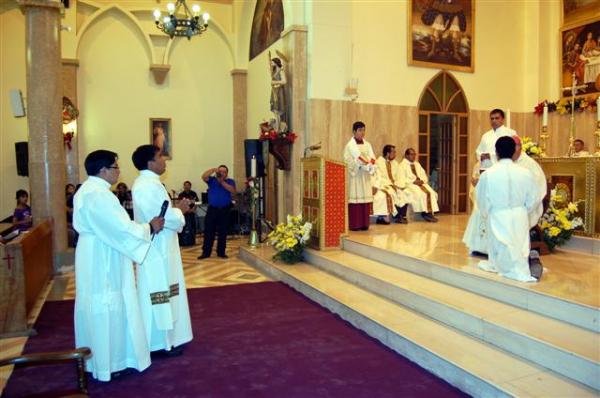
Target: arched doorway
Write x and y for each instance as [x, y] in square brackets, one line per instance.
[443, 141]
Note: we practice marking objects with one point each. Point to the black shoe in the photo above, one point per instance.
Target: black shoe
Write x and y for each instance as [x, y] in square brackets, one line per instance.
[173, 352]
[203, 256]
[427, 217]
[402, 220]
[381, 220]
[121, 373]
[364, 229]
[535, 266]
[222, 256]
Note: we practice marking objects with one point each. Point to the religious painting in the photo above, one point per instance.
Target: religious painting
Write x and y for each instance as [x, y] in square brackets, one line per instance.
[314, 184]
[572, 10]
[267, 25]
[160, 135]
[580, 58]
[441, 34]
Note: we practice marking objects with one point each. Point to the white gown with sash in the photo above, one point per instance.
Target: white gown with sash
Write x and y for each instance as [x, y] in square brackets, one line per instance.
[161, 283]
[107, 313]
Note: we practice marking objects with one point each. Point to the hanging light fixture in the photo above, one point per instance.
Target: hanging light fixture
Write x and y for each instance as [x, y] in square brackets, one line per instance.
[180, 21]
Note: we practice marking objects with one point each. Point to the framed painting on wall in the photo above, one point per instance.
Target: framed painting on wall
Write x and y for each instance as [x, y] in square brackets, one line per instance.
[441, 34]
[574, 10]
[267, 25]
[580, 55]
[161, 135]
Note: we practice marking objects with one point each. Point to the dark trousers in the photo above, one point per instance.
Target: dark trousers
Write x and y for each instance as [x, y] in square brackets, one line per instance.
[216, 221]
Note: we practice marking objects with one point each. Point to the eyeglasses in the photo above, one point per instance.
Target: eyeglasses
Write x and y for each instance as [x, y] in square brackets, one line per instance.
[113, 167]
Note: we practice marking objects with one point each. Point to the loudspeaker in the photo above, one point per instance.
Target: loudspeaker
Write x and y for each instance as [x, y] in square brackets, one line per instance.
[22, 157]
[16, 103]
[254, 148]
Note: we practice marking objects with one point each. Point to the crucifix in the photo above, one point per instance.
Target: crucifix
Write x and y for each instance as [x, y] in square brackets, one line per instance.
[573, 89]
[8, 259]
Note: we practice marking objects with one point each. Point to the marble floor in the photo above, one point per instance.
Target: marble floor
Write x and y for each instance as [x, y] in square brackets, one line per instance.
[209, 272]
[568, 275]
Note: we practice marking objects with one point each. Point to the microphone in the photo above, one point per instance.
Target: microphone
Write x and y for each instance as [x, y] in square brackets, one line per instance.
[163, 211]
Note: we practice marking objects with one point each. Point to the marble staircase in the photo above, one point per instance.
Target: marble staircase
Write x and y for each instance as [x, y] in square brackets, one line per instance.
[468, 332]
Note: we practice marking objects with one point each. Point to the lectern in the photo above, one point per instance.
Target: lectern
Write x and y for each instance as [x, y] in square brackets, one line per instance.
[324, 201]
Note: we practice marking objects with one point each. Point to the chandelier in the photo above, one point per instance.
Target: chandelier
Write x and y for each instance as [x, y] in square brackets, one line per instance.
[181, 21]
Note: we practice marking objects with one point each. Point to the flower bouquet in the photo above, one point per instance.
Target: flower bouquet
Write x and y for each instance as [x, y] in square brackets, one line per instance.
[559, 220]
[269, 132]
[531, 147]
[289, 239]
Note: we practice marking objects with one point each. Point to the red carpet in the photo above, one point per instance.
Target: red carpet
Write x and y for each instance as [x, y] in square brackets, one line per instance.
[253, 340]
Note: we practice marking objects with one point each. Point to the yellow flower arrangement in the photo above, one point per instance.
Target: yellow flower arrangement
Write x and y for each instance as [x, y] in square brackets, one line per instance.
[530, 147]
[289, 239]
[559, 220]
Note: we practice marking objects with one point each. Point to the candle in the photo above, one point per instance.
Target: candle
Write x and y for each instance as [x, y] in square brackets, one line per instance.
[598, 108]
[508, 118]
[545, 117]
[253, 167]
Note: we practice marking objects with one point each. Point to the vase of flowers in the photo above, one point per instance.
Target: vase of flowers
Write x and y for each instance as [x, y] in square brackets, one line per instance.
[290, 238]
[531, 147]
[559, 220]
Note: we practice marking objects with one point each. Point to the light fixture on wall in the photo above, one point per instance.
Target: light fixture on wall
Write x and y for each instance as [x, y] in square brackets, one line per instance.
[187, 23]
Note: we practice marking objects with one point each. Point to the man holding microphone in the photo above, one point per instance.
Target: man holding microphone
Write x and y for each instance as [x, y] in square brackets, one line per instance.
[220, 189]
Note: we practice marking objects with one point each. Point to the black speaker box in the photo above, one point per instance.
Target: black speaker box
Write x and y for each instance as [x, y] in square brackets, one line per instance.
[254, 148]
[22, 156]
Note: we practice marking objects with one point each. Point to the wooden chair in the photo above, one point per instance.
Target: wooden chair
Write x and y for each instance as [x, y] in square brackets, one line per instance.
[78, 356]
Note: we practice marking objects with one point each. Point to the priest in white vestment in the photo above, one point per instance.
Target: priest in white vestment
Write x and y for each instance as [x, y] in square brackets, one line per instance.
[506, 196]
[486, 150]
[161, 284]
[421, 197]
[475, 236]
[360, 163]
[107, 313]
[579, 149]
[389, 182]
[539, 180]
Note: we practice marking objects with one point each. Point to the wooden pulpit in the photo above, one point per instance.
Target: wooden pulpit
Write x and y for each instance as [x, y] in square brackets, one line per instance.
[25, 268]
[324, 201]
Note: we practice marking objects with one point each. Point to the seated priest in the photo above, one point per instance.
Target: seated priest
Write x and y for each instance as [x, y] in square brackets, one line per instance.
[579, 149]
[421, 197]
[388, 184]
[506, 196]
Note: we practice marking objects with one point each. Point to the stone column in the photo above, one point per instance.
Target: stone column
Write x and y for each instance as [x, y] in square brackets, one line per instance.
[240, 131]
[295, 39]
[69, 90]
[44, 109]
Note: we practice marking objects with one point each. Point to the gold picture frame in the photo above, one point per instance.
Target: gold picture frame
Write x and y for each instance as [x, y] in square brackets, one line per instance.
[572, 11]
[455, 48]
[570, 57]
[161, 135]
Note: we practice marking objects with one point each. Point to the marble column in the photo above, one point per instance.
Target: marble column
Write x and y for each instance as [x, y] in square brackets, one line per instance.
[240, 131]
[295, 40]
[69, 90]
[44, 109]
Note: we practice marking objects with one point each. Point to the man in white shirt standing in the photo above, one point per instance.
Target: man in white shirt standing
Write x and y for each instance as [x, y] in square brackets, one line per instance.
[160, 280]
[107, 312]
[486, 150]
[506, 196]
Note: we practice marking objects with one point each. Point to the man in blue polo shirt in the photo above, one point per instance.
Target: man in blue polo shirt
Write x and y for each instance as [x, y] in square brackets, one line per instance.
[220, 189]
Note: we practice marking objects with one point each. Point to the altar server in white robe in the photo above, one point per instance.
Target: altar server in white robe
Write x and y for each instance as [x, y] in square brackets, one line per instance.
[486, 150]
[475, 236]
[161, 283]
[389, 182]
[579, 149]
[506, 196]
[107, 313]
[360, 163]
[539, 180]
[421, 197]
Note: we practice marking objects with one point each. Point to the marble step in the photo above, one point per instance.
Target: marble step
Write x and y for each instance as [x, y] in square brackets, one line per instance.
[564, 348]
[497, 288]
[469, 364]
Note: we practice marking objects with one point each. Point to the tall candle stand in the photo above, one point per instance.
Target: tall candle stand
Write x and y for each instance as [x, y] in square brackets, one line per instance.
[543, 137]
[597, 134]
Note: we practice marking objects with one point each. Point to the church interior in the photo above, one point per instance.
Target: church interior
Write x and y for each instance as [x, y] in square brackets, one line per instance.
[272, 91]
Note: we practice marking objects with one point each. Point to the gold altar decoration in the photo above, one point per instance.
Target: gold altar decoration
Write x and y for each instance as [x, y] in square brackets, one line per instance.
[577, 178]
[324, 201]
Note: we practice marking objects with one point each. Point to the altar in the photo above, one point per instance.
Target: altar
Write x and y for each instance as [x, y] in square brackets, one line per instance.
[577, 180]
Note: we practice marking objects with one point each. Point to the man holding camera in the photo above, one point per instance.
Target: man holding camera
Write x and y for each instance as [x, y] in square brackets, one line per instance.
[220, 189]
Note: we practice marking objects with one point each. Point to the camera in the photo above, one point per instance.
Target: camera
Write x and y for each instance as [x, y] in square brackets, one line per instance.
[218, 174]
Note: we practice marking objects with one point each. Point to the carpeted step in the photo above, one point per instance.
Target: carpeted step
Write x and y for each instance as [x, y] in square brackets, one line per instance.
[464, 361]
[567, 349]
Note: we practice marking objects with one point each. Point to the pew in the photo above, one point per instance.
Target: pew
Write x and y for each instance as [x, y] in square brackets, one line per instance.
[25, 269]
